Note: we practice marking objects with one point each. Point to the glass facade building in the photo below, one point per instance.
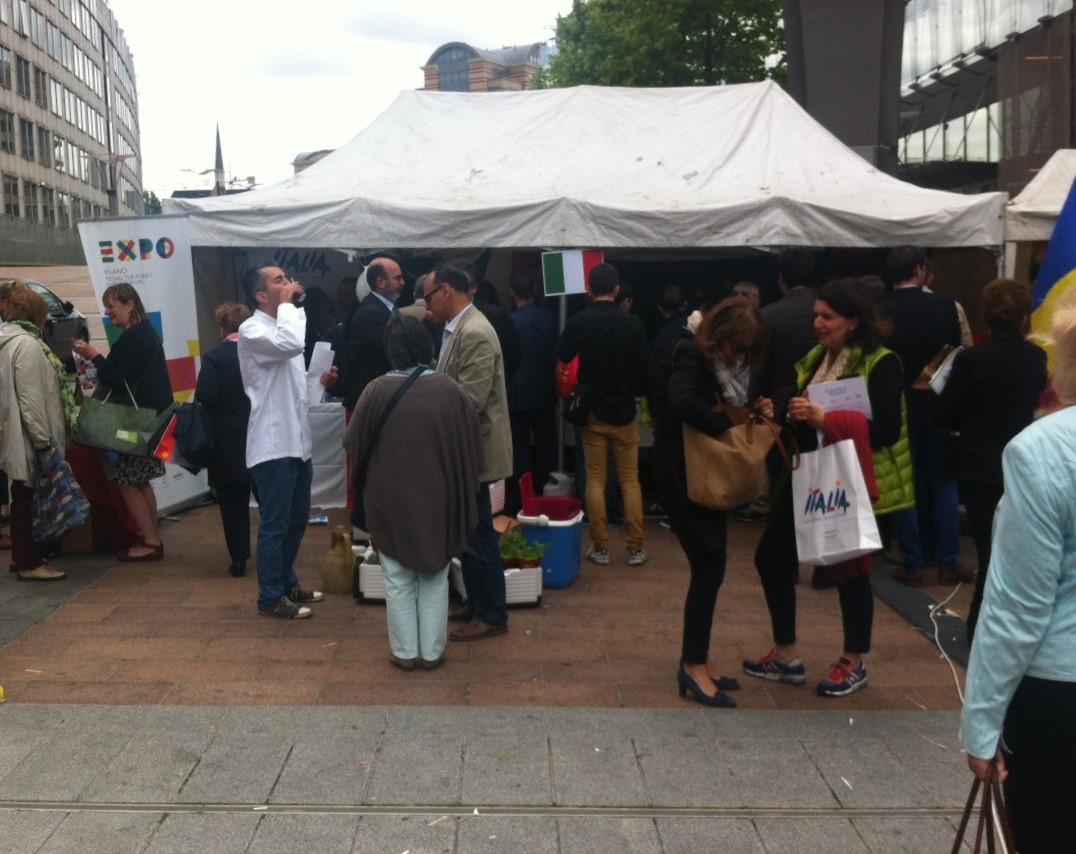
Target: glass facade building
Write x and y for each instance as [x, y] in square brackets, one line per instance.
[69, 136]
[986, 91]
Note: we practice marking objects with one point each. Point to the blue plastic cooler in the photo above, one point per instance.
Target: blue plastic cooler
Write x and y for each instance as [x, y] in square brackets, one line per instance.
[560, 564]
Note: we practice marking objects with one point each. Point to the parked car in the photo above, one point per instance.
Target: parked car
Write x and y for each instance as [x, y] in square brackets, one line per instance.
[63, 326]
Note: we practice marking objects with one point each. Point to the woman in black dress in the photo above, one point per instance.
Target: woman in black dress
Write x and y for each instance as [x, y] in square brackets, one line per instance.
[135, 366]
[220, 391]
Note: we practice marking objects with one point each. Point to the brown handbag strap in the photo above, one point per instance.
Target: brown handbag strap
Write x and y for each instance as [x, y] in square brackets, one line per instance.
[992, 804]
[745, 415]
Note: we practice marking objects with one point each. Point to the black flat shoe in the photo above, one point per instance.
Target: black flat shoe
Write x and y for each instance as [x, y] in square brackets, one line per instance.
[237, 568]
[686, 683]
[724, 683]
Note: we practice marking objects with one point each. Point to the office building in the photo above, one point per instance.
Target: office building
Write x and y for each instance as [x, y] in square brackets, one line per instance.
[69, 139]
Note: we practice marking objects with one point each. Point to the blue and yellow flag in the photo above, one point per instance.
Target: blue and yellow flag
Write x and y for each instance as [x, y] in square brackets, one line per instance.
[1058, 272]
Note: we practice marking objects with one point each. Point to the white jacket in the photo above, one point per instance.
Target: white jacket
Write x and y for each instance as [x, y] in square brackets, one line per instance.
[274, 377]
[31, 414]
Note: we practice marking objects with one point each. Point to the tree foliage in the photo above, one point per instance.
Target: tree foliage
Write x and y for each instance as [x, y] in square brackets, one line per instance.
[671, 43]
[150, 203]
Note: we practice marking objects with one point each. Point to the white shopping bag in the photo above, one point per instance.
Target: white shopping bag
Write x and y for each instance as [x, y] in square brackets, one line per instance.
[834, 518]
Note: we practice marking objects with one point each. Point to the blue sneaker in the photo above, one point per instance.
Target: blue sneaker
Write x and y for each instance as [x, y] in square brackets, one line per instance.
[768, 667]
[843, 679]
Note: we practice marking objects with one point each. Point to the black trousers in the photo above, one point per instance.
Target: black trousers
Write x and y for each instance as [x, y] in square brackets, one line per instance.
[703, 535]
[234, 502]
[1040, 790]
[980, 502]
[778, 569]
[707, 563]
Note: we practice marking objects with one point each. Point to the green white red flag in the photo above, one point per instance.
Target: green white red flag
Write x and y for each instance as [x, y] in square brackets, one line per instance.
[568, 272]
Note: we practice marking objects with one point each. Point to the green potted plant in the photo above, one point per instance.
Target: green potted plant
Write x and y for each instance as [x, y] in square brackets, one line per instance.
[511, 546]
[532, 552]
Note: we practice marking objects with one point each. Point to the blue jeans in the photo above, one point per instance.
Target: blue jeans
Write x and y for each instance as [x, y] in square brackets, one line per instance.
[906, 530]
[284, 497]
[937, 498]
[483, 571]
[416, 607]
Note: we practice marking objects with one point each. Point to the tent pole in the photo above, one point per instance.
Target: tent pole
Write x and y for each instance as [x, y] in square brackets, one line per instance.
[562, 312]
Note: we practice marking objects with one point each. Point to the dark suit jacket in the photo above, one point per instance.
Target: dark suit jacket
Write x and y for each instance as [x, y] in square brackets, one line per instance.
[790, 323]
[534, 385]
[922, 324]
[367, 359]
[501, 321]
[668, 334]
[220, 391]
[990, 397]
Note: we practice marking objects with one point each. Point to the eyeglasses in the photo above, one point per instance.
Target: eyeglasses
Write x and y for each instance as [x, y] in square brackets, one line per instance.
[426, 296]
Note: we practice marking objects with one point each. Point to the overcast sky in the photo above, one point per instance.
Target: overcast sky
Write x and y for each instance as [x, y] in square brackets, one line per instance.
[282, 78]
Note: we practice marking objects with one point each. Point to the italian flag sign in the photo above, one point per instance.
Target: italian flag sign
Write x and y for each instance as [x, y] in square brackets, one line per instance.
[568, 272]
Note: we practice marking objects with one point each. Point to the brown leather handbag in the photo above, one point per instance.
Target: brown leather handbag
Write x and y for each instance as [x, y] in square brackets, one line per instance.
[729, 470]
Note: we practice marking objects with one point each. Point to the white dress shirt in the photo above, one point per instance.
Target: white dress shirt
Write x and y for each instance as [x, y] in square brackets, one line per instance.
[450, 330]
[274, 377]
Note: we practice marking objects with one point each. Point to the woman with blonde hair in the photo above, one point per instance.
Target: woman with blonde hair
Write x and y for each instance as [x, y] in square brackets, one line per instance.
[1021, 687]
[698, 371]
[134, 373]
[220, 391]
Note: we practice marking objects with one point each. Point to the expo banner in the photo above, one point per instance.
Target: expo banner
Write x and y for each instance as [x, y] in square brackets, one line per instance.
[153, 254]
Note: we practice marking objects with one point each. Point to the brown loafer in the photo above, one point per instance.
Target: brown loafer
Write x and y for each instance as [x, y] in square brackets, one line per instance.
[431, 665]
[462, 614]
[957, 575]
[477, 630]
[404, 663]
[907, 578]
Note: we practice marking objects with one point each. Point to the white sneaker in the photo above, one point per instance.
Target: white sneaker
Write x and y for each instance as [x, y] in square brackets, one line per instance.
[599, 556]
[637, 557]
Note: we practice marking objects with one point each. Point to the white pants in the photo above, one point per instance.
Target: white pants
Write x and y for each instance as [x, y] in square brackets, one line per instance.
[416, 606]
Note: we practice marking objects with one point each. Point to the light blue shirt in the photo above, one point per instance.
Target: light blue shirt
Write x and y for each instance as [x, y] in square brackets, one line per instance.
[389, 304]
[1027, 625]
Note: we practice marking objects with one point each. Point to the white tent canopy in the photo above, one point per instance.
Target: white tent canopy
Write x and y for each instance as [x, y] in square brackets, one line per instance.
[727, 166]
[1033, 213]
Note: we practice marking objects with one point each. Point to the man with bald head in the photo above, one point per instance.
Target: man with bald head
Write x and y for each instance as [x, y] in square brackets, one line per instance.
[367, 359]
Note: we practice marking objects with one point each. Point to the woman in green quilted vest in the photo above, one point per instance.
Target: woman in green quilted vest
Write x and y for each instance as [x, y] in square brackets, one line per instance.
[850, 332]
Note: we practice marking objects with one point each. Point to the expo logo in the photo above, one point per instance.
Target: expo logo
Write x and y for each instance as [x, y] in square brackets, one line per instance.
[142, 249]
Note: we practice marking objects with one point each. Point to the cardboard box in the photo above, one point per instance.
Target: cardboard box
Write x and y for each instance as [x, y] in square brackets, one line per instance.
[505, 525]
[79, 540]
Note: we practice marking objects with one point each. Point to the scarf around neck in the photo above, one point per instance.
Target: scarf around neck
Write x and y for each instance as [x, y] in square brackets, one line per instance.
[67, 397]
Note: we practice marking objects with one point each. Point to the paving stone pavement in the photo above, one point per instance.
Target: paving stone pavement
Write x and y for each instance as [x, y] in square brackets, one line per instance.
[395, 779]
[151, 710]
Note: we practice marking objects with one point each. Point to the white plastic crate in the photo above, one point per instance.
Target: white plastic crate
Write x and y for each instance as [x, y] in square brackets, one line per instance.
[371, 579]
[523, 585]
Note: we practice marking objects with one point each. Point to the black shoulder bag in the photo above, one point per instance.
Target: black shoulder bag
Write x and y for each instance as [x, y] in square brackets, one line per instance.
[577, 406]
[358, 509]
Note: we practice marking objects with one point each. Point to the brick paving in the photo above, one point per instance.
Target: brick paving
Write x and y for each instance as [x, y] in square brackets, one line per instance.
[184, 632]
